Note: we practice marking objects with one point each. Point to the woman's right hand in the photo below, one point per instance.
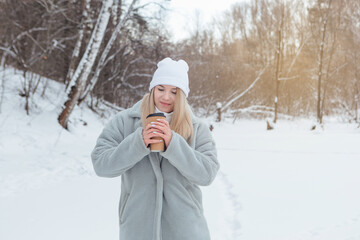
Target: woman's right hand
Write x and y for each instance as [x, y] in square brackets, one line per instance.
[148, 133]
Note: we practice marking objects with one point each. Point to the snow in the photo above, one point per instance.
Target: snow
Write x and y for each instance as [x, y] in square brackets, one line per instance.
[288, 183]
[293, 183]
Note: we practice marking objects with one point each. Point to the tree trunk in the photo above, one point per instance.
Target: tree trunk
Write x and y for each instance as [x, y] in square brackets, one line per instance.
[2, 66]
[356, 103]
[26, 90]
[278, 55]
[79, 79]
[321, 55]
[76, 52]
[327, 79]
[104, 54]
[277, 78]
[357, 92]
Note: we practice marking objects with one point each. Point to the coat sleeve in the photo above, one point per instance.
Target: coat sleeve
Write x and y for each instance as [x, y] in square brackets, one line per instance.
[198, 165]
[113, 153]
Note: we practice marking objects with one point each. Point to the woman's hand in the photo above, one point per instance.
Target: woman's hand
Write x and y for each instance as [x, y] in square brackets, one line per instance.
[163, 130]
[148, 133]
[160, 128]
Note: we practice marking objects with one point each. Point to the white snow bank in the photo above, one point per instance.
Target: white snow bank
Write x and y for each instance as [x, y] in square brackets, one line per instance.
[288, 183]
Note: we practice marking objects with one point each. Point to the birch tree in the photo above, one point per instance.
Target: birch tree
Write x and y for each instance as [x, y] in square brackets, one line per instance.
[80, 76]
[76, 52]
[106, 51]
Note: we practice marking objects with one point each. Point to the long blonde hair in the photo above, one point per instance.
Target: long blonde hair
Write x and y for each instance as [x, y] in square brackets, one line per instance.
[181, 121]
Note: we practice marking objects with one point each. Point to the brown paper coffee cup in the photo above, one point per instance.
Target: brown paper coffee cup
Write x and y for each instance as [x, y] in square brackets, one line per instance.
[160, 146]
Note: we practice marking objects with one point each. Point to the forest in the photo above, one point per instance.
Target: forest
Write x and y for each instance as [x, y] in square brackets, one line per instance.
[261, 58]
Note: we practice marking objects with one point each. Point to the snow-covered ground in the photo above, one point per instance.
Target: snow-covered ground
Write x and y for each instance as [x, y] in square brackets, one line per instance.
[285, 184]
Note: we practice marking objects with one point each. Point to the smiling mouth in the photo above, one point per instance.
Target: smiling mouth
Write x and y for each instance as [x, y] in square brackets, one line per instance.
[165, 104]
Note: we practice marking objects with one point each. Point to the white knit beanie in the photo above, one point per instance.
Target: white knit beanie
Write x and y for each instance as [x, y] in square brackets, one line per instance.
[170, 72]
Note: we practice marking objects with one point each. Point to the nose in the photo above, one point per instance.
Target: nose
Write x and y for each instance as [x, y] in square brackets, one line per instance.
[166, 96]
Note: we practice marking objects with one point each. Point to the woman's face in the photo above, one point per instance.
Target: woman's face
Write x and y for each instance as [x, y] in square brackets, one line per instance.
[164, 97]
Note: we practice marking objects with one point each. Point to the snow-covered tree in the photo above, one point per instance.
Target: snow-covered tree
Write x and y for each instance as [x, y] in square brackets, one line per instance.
[79, 78]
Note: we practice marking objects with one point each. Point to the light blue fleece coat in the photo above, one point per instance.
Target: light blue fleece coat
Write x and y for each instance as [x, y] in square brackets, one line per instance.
[160, 195]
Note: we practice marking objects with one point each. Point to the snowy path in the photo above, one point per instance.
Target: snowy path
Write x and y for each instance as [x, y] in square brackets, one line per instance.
[272, 185]
[291, 183]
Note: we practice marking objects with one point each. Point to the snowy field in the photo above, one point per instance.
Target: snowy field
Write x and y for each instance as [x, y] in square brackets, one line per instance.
[285, 184]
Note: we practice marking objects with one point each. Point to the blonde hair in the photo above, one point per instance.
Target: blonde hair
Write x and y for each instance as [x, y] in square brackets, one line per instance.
[181, 121]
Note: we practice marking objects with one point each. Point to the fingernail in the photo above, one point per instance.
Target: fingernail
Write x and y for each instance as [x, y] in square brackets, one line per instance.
[154, 132]
[153, 125]
[153, 122]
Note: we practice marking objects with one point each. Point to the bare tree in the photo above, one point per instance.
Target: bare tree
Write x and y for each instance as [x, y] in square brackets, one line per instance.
[320, 13]
[32, 37]
[78, 81]
[278, 56]
[79, 41]
[227, 105]
[105, 52]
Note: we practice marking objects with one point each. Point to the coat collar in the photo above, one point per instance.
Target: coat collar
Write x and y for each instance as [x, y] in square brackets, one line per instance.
[135, 112]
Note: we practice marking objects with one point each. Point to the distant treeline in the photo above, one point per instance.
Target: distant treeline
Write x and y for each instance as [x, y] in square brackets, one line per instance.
[291, 57]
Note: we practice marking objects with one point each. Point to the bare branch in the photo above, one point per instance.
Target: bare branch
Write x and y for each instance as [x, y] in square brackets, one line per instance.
[244, 92]
[7, 50]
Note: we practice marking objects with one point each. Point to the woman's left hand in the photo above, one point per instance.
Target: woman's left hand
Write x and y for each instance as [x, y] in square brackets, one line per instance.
[165, 130]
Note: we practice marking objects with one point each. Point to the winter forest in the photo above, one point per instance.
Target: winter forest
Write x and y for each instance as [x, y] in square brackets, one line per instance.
[298, 58]
[277, 81]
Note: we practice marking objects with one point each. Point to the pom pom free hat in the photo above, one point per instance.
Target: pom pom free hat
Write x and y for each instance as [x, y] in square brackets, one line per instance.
[170, 72]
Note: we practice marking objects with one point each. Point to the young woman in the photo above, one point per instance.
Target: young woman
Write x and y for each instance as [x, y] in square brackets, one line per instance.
[160, 195]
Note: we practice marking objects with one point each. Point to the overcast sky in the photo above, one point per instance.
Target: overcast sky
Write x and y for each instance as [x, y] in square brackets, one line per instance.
[182, 14]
